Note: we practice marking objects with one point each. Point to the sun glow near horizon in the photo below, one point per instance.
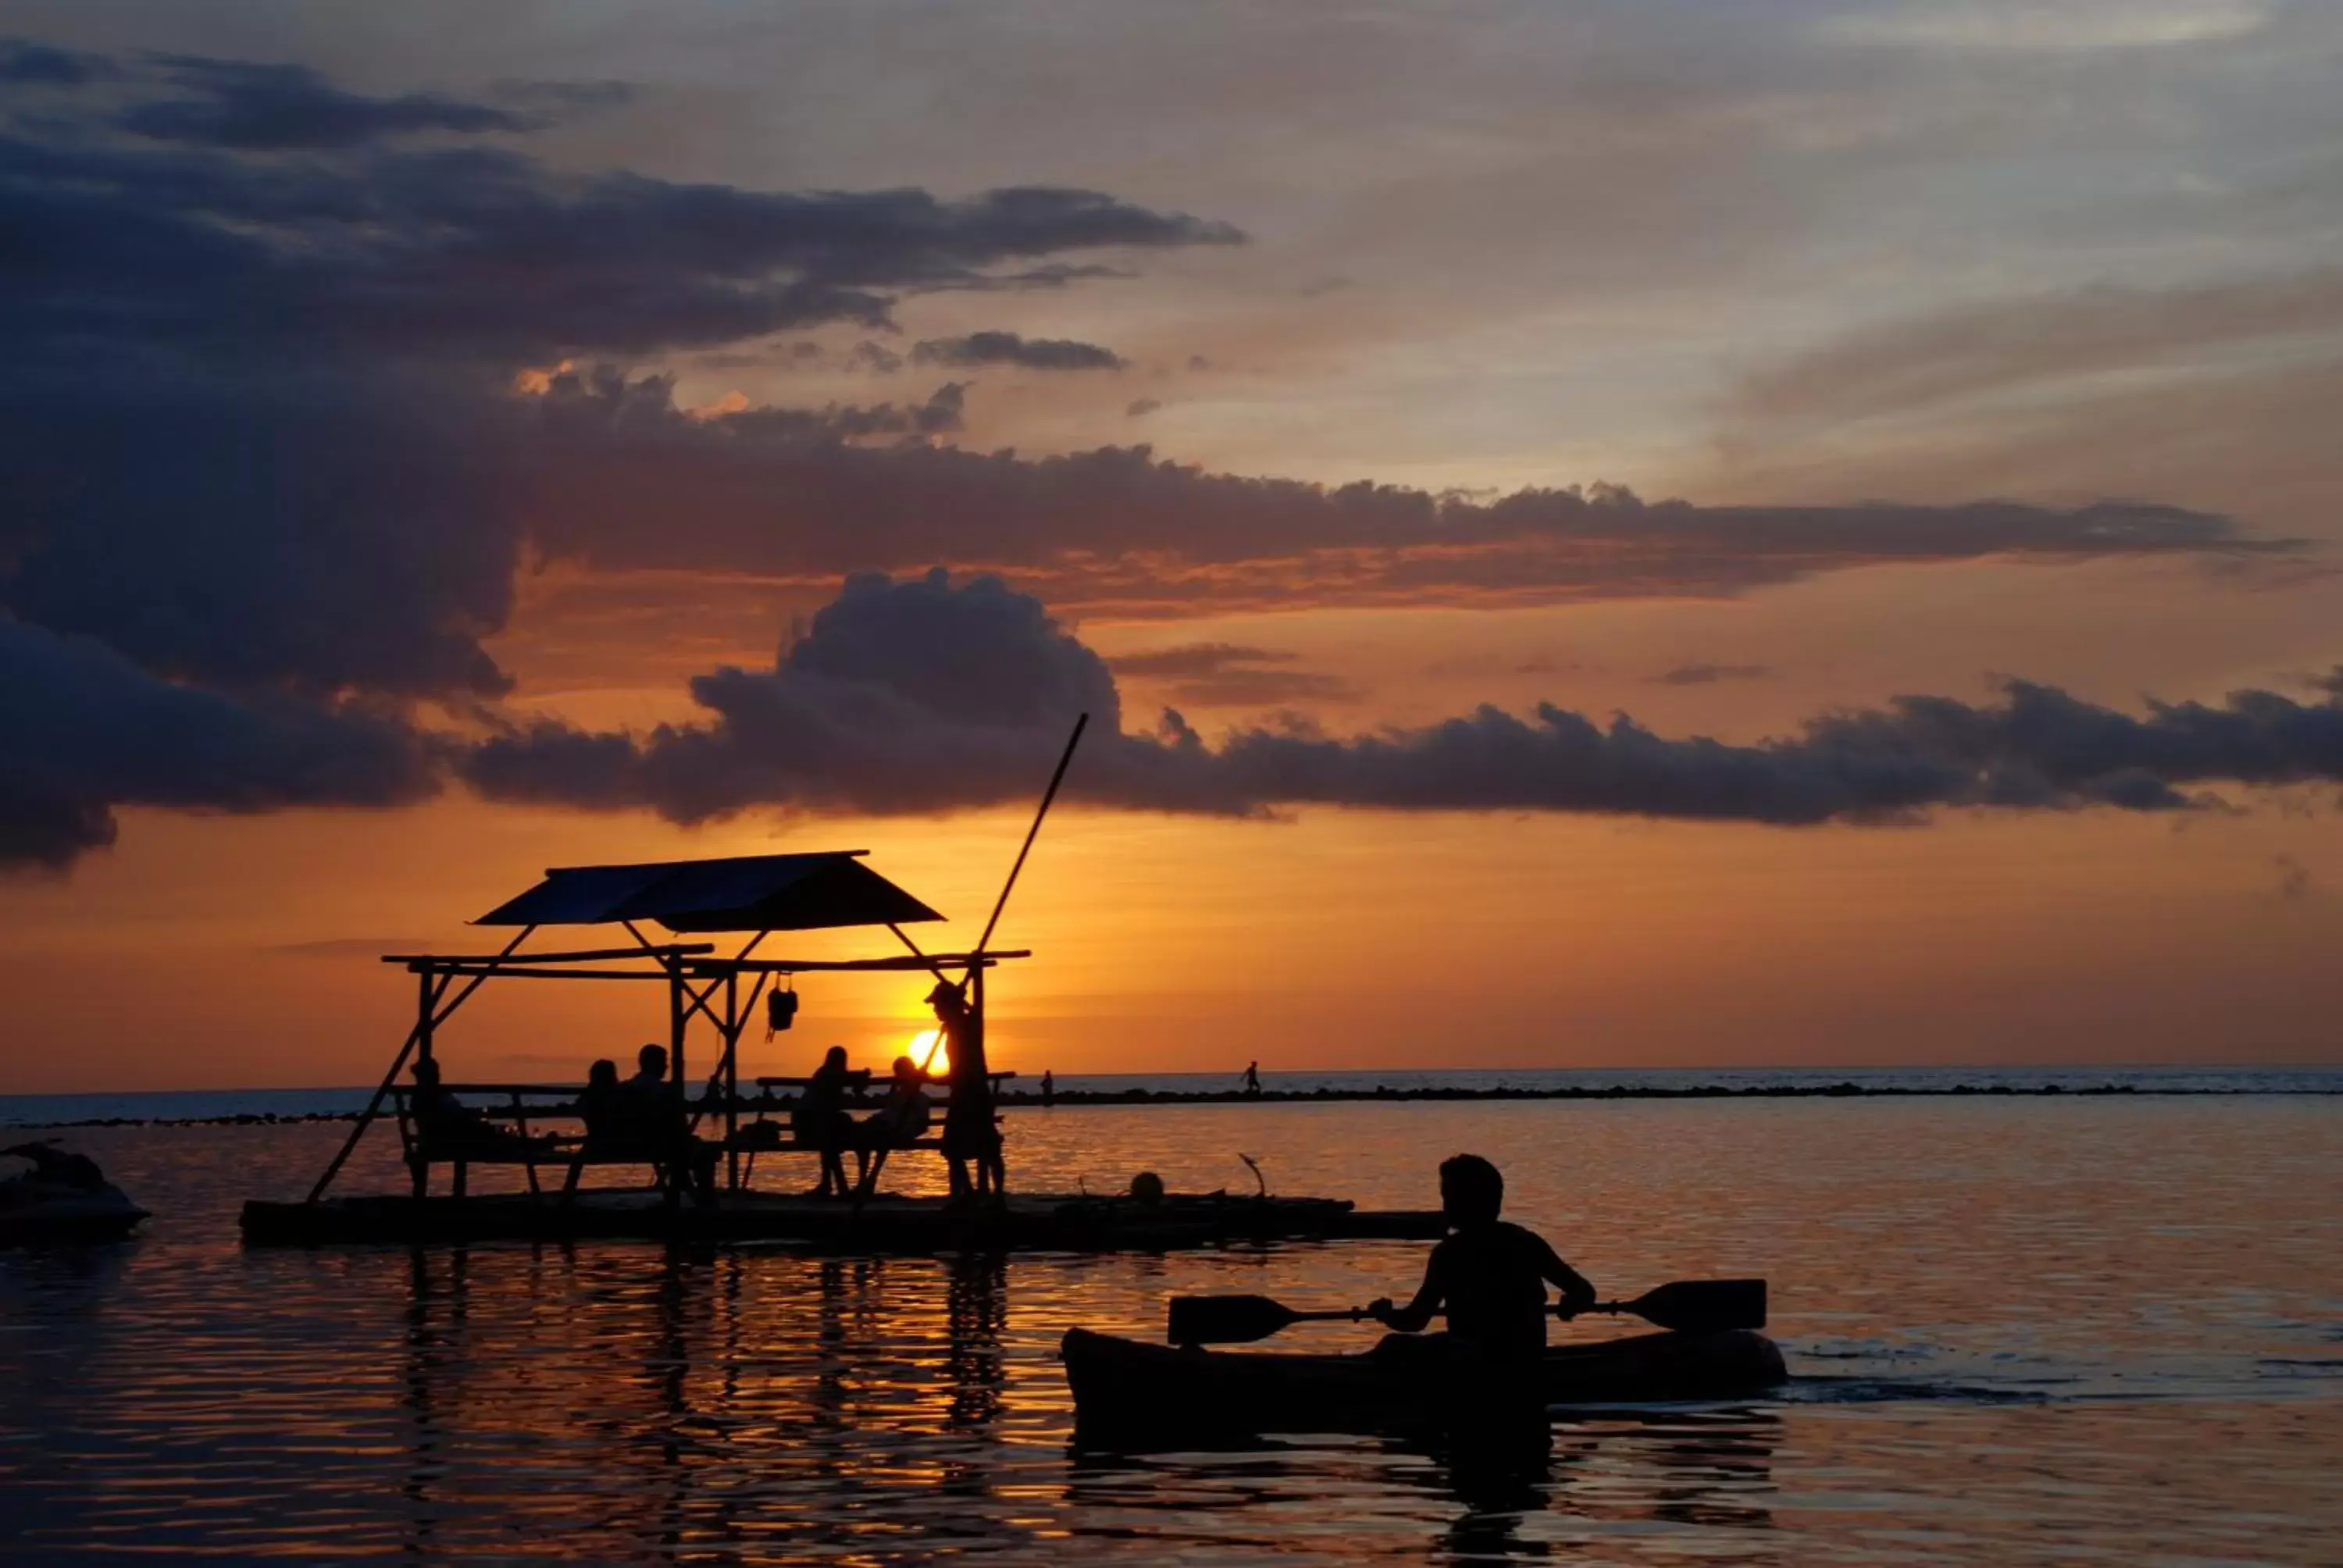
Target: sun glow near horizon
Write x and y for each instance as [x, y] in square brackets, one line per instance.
[927, 1046]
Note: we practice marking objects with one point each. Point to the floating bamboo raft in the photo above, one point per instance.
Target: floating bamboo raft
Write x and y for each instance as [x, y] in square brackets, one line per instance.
[886, 1224]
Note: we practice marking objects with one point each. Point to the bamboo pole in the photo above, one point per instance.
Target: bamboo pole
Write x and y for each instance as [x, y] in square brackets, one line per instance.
[398, 1064]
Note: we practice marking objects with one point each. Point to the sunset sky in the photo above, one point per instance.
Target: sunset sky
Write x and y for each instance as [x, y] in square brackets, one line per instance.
[1669, 533]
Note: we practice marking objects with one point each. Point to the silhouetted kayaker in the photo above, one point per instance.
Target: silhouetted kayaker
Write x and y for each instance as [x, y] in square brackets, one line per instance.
[1490, 1275]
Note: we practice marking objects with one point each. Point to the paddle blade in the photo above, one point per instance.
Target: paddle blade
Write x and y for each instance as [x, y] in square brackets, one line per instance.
[1703, 1306]
[1226, 1320]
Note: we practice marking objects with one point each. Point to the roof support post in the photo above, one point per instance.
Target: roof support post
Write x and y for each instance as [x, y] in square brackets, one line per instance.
[732, 1022]
[426, 998]
[428, 1015]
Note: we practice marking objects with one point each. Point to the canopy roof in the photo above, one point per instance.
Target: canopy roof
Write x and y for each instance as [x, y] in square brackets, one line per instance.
[736, 893]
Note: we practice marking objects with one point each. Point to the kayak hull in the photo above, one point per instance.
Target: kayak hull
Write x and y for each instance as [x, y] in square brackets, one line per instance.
[1127, 1390]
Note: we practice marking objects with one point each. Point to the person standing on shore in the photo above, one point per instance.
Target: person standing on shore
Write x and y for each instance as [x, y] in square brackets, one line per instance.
[1049, 1088]
[1252, 1079]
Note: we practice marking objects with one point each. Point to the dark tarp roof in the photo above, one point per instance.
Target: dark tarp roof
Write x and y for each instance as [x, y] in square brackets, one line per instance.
[738, 893]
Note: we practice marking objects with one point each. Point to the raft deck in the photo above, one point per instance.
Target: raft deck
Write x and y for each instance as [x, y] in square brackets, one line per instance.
[1048, 1222]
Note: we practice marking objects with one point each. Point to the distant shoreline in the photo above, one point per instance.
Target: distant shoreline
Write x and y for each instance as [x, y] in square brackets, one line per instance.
[1031, 1099]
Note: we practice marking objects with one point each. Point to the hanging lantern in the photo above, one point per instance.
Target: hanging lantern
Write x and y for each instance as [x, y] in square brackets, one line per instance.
[780, 1009]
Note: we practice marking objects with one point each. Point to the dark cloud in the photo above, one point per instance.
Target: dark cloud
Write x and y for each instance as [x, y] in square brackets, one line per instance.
[326, 532]
[29, 65]
[1710, 674]
[1119, 531]
[1008, 348]
[84, 730]
[280, 422]
[277, 109]
[264, 473]
[1188, 660]
[921, 696]
[902, 697]
[256, 422]
[1139, 407]
[1229, 674]
[469, 251]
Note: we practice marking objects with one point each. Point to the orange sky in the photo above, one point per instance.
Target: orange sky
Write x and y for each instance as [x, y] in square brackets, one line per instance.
[241, 951]
[1827, 256]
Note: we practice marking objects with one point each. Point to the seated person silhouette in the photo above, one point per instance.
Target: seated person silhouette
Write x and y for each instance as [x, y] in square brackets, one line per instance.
[1490, 1275]
[819, 1120]
[606, 1107]
[898, 1124]
[646, 1112]
[651, 1071]
[447, 1122]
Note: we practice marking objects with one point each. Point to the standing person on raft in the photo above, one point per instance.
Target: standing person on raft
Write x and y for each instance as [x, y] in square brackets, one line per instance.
[970, 1132]
[1491, 1276]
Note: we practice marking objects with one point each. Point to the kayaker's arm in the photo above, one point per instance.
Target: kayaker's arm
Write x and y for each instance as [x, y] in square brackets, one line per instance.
[1577, 1294]
[1417, 1315]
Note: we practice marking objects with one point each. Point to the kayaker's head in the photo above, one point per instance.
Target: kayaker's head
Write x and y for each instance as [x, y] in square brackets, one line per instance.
[1471, 1192]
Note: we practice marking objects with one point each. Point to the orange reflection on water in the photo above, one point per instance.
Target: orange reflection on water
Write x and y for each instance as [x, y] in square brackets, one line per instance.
[2007, 1319]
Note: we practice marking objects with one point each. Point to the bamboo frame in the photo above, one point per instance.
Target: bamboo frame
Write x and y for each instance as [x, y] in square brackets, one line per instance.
[695, 976]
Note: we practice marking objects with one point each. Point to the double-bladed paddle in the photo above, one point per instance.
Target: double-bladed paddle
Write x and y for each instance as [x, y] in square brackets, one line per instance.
[1686, 1306]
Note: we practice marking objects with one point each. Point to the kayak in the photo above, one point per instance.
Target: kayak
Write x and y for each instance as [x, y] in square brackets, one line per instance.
[1127, 1388]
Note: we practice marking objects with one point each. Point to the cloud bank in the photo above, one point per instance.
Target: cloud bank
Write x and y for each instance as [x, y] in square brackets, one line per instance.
[298, 378]
[924, 696]
[1008, 348]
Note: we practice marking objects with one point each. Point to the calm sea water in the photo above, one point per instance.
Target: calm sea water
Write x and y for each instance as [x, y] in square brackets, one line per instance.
[180, 1104]
[2022, 1330]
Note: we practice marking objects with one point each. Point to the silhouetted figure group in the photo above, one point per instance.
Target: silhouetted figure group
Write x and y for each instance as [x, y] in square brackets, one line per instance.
[819, 1120]
[645, 1118]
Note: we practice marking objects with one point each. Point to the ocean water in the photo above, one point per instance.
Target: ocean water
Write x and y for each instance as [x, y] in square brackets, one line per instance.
[2022, 1330]
[209, 1105]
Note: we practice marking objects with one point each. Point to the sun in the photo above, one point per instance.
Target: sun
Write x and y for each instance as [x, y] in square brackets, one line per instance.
[929, 1040]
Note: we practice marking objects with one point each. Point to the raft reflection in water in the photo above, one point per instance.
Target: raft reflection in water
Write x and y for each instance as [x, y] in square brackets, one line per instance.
[701, 1390]
[778, 1406]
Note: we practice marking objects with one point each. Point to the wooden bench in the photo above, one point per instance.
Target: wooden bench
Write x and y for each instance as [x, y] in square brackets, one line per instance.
[780, 1140]
[502, 1135]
